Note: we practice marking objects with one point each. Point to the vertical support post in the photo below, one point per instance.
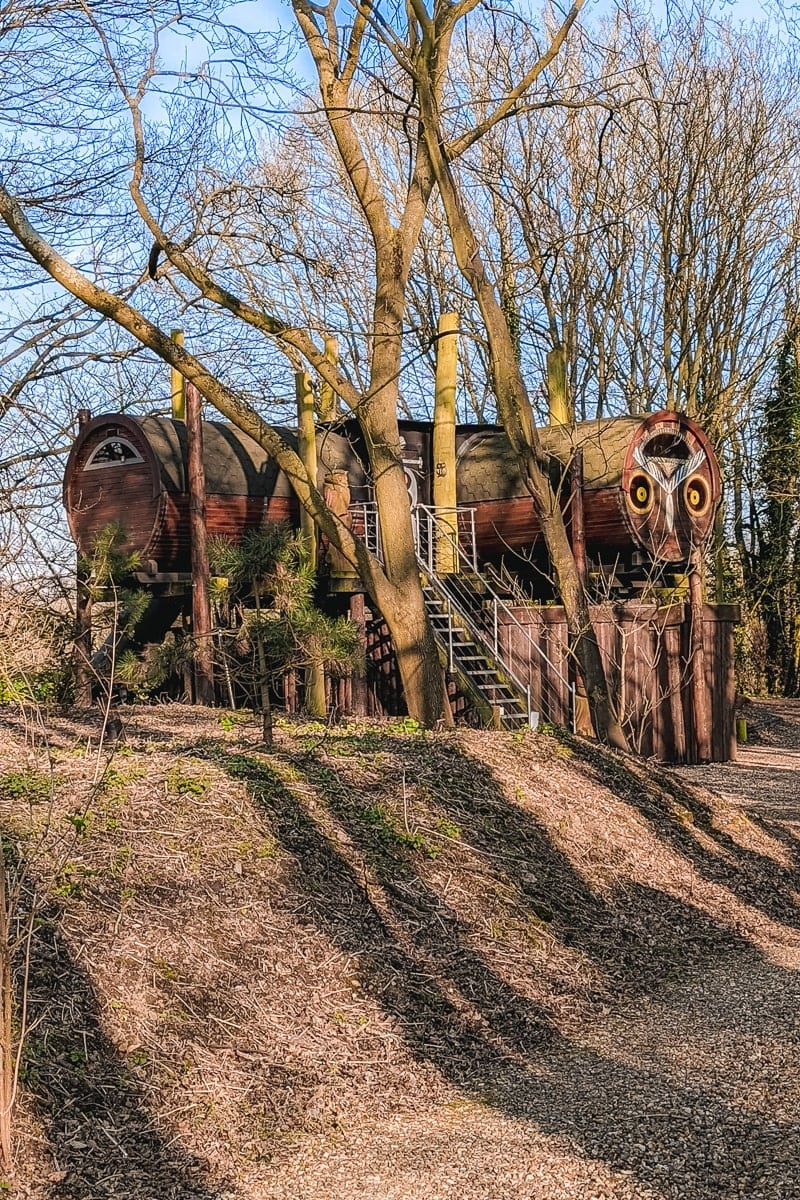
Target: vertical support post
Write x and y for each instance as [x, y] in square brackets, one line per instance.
[307, 446]
[328, 400]
[177, 383]
[558, 400]
[576, 521]
[82, 643]
[201, 608]
[359, 619]
[336, 494]
[444, 446]
[700, 699]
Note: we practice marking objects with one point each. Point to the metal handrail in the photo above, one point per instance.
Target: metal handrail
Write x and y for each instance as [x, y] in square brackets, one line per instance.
[364, 523]
[433, 525]
[475, 631]
[450, 583]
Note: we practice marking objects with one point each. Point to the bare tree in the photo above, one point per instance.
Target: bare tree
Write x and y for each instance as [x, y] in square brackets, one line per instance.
[357, 79]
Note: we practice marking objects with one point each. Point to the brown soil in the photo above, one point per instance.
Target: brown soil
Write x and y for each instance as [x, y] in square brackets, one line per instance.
[383, 965]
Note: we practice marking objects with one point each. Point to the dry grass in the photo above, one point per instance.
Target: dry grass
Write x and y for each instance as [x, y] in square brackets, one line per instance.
[243, 962]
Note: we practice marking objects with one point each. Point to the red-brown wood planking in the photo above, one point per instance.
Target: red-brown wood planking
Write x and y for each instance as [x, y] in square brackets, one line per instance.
[133, 472]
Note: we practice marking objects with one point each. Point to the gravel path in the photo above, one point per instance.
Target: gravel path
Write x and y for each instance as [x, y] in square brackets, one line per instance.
[695, 1095]
[765, 779]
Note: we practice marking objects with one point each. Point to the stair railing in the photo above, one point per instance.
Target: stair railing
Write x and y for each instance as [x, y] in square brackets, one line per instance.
[439, 527]
[466, 621]
[364, 523]
[484, 612]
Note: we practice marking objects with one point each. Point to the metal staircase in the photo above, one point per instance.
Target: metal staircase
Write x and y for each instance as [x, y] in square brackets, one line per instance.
[495, 691]
[467, 608]
[467, 612]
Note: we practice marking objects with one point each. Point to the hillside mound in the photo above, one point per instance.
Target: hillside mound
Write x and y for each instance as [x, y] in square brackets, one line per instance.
[381, 963]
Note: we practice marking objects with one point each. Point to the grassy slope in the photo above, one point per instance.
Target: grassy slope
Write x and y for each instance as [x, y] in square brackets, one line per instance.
[235, 951]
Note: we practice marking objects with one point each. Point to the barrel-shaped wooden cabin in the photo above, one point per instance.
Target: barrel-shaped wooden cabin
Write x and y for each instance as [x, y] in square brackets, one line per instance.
[132, 472]
[647, 484]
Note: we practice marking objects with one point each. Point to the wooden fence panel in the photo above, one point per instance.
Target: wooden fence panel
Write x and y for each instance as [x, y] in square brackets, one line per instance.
[646, 652]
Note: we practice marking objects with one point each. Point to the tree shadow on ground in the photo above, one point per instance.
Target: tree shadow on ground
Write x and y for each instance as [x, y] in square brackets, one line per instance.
[674, 811]
[495, 1044]
[765, 787]
[103, 1139]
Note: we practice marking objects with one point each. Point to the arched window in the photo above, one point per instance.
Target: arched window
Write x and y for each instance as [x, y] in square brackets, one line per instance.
[113, 452]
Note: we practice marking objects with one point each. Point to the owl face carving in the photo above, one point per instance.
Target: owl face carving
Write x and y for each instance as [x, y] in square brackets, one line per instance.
[671, 486]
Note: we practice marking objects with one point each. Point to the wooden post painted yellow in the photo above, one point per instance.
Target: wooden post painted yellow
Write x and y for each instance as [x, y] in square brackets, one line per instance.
[177, 384]
[328, 400]
[307, 447]
[560, 408]
[444, 444]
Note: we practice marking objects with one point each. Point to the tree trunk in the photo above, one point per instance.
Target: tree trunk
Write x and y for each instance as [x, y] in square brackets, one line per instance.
[6, 1027]
[515, 412]
[201, 608]
[417, 659]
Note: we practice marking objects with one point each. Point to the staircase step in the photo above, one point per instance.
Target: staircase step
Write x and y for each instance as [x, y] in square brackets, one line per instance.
[480, 669]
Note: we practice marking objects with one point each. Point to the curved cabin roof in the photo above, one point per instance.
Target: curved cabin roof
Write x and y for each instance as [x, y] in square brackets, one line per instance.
[488, 466]
[235, 464]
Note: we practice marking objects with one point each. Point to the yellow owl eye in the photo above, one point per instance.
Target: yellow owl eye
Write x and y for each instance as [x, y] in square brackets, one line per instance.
[697, 496]
[641, 493]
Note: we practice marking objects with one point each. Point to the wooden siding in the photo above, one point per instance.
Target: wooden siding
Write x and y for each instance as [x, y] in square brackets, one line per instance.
[503, 525]
[226, 516]
[646, 654]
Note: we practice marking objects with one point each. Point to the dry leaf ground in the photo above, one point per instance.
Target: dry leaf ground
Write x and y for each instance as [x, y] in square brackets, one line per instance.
[385, 965]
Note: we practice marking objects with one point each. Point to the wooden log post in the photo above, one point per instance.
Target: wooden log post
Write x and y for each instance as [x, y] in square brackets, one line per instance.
[558, 400]
[700, 699]
[359, 690]
[307, 446]
[201, 607]
[82, 644]
[328, 400]
[177, 383]
[444, 446]
[336, 493]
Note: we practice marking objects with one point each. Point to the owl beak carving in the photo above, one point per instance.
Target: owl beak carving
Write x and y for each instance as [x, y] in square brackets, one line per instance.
[668, 474]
